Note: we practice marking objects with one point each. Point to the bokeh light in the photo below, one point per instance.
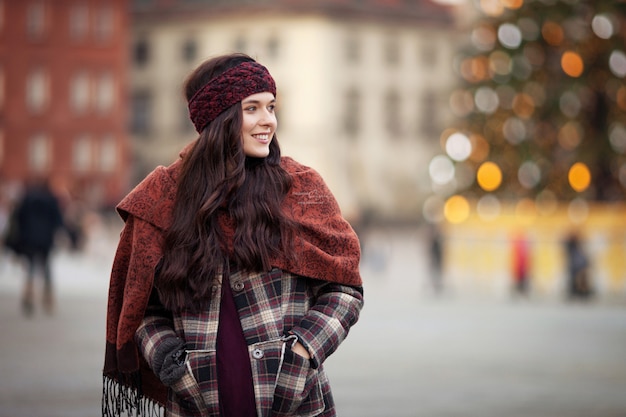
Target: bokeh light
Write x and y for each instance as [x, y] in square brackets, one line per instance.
[458, 146]
[480, 148]
[432, 210]
[461, 103]
[510, 36]
[523, 105]
[456, 209]
[486, 100]
[579, 177]
[578, 210]
[617, 63]
[488, 207]
[617, 137]
[441, 169]
[570, 135]
[483, 38]
[529, 174]
[546, 202]
[602, 26]
[500, 63]
[572, 64]
[570, 104]
[514, 130]
[552, 33]
[489, 176]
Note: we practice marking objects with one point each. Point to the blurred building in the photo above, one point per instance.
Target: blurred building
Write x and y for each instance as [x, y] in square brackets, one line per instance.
[363, 87]
[63, 100]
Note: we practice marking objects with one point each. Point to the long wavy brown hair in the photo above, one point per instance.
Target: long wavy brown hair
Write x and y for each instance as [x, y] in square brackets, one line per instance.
[216, 176]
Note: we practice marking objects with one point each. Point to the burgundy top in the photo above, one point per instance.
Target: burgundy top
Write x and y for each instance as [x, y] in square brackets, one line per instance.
[234, 374]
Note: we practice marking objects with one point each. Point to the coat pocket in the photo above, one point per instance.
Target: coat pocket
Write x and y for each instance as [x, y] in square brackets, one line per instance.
[185, 397]
[298, 391]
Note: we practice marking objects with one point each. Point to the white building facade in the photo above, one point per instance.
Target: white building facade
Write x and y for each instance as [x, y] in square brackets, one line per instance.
[362, 97]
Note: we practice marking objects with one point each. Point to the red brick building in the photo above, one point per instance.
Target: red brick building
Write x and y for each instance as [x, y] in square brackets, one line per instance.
[63, 100]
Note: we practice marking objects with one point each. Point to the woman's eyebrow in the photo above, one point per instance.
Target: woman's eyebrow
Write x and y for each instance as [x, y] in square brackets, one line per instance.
[254, 101]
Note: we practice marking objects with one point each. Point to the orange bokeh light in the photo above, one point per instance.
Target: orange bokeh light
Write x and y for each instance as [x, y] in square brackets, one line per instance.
[579, 177]
[489, 176]
[523, 105]
[456, 209]
[572, 64]
[552, 33]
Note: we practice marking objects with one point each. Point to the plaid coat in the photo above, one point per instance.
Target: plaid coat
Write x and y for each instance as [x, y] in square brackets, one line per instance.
[319, 312]
[275, 310]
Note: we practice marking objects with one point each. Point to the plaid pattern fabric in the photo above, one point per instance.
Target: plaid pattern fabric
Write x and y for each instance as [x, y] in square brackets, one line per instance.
[275, 309]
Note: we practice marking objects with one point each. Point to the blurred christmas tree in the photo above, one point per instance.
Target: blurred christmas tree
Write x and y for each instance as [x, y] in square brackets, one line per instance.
[542, 105]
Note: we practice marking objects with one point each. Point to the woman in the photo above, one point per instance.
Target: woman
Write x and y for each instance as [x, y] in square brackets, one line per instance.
[235, 276]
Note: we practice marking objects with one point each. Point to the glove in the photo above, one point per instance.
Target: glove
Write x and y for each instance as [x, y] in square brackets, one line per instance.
[169, 361]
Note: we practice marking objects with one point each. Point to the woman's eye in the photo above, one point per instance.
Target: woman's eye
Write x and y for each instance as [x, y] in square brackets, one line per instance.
[251, 108]
[271, 108]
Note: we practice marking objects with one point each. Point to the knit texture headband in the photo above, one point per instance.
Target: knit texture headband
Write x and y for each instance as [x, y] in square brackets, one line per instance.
[226, 89]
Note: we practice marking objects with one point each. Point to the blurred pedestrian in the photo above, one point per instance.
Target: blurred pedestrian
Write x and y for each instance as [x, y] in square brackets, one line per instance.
[578, 283]
[236, 275]
[436, 258]
[520, 257]
[35, 221]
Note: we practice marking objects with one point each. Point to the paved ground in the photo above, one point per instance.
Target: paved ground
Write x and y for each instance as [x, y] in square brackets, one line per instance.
[412, 353]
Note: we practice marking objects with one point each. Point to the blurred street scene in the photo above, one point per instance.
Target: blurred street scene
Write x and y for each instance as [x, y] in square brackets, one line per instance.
[478, 147]
[415, 352]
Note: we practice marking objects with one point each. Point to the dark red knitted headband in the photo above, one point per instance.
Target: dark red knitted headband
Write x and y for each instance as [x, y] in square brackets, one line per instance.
[226, 89]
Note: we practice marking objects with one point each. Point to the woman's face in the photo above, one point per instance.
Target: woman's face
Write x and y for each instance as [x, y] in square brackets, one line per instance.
[259, 124]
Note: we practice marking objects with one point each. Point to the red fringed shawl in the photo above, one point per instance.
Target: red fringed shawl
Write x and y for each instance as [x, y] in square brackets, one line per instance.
[327, 249]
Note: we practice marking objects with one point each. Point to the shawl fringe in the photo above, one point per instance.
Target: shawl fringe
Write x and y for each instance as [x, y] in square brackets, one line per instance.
[127, 400]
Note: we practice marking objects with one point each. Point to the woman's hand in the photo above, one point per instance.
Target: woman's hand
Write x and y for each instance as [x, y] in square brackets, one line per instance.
[299, 349]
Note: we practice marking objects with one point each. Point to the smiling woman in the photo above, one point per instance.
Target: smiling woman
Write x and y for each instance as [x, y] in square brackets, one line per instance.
[236, 275]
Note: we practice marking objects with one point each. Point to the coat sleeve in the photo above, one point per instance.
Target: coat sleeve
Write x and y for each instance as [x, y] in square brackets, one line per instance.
[329, 320]
[156, 327]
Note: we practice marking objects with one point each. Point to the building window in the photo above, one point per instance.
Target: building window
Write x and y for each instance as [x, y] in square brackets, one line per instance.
[392, 50]
[429, 125]
[35, 19]
[141, 52]
[37, 90]
[273, 47]
[353, 48]
[79, 92]
[39, 153]
[241, 44]
[141, 112]
[79, 21]
[392, 113]
[190, 50]
[108, 154]
[105, 24]
[428, 52]
[81, 153]
[105, 93]
[352, 112]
